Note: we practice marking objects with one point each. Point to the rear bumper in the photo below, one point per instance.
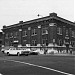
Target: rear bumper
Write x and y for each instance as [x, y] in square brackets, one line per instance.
[34, 53]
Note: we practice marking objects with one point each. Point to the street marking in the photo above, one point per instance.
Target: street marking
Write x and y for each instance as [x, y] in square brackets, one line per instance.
[41, 67]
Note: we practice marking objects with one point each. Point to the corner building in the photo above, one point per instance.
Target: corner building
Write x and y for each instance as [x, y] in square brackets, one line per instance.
[0, 40]
[50, 32]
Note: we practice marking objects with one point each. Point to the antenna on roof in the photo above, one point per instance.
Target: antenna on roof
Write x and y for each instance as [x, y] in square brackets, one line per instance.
[39, 15]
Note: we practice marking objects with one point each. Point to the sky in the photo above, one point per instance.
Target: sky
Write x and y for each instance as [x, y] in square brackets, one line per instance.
[13, 11]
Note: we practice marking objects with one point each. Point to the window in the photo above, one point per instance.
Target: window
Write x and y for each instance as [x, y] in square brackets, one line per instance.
[11, 42]
[73, 34]
[24, 33]
[66, 41]
[73, 43]
[60, 42]
[59, 31]
[6, 36]
[34, 32]
[45, 41]
[6, 43]
[11, 34]
[34, 43]
[67, 32]
[16, 34]
[44, 31]
[24, 42]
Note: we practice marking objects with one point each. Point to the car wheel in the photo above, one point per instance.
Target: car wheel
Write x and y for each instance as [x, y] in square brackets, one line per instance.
[18, 54]
[8, 53]
[2, 51]
[37, 53]
[26, 54]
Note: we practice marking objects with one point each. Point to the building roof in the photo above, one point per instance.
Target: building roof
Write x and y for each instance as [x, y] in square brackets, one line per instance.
[51, 16]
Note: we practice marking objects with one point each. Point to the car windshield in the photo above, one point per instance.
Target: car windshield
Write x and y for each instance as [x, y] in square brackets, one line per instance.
[21, 49]
[12, 48]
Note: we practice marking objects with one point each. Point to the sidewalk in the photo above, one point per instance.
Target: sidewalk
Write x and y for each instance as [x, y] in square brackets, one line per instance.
[61, 54]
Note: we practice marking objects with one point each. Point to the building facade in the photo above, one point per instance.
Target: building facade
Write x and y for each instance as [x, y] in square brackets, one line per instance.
[47, 32]
[1, 40]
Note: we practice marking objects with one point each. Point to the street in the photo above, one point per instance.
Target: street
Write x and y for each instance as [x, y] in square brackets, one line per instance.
[37, 65]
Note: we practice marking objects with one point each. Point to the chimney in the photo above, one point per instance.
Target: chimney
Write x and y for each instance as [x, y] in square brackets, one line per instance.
[20, 22]
[53, 14]
[4, 26]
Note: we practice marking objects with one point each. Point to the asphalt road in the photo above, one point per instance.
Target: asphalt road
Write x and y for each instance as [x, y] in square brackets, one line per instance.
[37, 65]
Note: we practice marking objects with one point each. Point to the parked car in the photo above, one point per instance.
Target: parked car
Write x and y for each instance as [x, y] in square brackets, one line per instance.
[34, 52]
[5, 48]
[17, 51]
[2, 50]
[52, 51]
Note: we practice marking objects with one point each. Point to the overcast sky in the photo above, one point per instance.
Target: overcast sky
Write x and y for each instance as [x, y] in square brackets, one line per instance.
[13, 11]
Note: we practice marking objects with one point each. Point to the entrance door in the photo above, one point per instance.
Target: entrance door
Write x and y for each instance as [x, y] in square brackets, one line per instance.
[67, 48]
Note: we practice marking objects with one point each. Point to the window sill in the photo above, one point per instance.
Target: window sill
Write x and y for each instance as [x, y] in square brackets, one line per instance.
[34, 35]
[11, 37]
[66, 37]
[44, 33]
[59, 34]
[24, 36]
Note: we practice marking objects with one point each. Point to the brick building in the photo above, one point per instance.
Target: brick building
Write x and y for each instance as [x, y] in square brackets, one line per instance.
[0, 40]
[51, 32]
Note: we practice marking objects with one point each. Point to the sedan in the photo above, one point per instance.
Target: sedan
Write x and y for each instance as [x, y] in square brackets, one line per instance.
[17, 51]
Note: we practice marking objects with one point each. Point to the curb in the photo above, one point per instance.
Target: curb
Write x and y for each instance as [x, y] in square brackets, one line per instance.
[61, 54]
